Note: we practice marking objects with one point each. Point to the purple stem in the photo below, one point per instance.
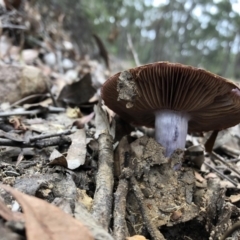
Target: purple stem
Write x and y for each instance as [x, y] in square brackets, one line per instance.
[171, 129]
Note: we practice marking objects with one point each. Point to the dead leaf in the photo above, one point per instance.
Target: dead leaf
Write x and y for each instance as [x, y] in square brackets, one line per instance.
[102, 122]
[234, 198]
[12, 136]
[17, 123]
[198, 177]
[78, 92]
[77, 150]
[136, 237]
[57, 158]
[45, 221]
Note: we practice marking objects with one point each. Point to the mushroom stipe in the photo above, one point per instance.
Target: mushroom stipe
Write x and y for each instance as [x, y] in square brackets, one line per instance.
[173, 98]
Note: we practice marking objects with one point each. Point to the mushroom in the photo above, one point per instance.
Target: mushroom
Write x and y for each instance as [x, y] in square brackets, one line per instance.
[173, 98]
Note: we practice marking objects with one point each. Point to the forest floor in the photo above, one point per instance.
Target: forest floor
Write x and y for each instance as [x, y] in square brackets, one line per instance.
[71, 169]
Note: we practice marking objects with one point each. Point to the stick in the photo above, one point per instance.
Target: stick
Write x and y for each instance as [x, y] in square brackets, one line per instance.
[38, 144]
[42, 136]
[102, 204]
[226, 164]
[130, 44]
[222, 175]
[119, 227]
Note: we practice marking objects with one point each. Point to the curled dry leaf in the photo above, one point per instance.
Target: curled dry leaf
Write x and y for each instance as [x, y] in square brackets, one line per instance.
[45, 221]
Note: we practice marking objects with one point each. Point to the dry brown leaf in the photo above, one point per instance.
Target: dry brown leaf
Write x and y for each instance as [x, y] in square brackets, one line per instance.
[136, 237]
[199, 177]
[234, 198]
[78, 92]
[77, 150]
[57, 158]
[45, 221]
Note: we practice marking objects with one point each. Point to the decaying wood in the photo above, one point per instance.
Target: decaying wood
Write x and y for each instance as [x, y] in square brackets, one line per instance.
[119, 227]
[154, 232]
[102, 206]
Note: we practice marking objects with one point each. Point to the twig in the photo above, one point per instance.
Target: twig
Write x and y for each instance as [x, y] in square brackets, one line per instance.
[38, 144]
[152, 229]
[235, 227]
[20, 113]
[32, 112]
[23, 100]
[37, 42]
[230, 150]
[130, 44]
[9, 25]
[67, 132]
[119, 227]
[222, 160]
[222, 175]
[102, 205]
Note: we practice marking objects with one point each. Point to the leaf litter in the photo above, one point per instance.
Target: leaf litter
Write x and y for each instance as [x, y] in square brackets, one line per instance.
[78, 171]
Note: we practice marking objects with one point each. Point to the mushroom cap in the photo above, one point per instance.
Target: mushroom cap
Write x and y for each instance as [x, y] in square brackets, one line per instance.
[212, 102]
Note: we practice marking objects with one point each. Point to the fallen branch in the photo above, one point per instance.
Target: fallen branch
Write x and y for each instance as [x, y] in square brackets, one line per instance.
[38, 144]
[43, 136]
[102, 205]
[119, 227]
